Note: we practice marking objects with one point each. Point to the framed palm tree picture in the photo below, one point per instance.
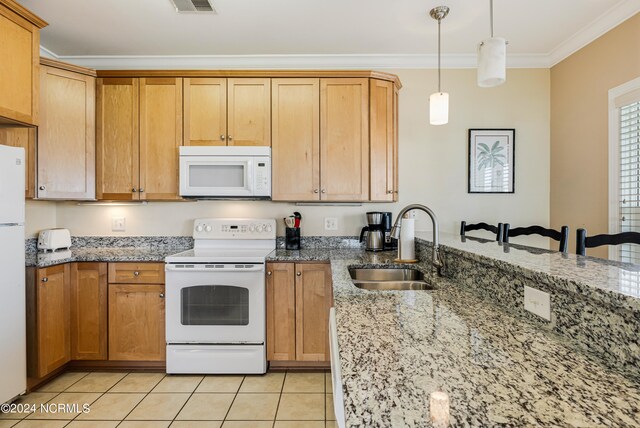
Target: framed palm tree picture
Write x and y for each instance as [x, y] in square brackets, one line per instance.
[491, 160]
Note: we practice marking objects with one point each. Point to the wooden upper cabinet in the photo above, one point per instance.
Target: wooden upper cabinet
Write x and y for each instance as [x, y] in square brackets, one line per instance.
[314, 298]
[160, 137]
[205, 112]
[383, 141]
[136, 322]
[66, 135]
[281, 312]
[117, 139]
[89, 311]
[344, 139]
[249, 112]
[25, 138]
[19, 63]
[52, 308]
[295, 145]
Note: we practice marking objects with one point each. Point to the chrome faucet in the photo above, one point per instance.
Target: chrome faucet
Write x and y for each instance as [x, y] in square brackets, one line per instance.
[395, 233]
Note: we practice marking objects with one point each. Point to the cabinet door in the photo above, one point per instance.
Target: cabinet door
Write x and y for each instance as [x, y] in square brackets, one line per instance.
[314, 298]
[281, 312]
[160, 137]
[383, 141]
[66, 135]
[117, 139]
[89, 311]
[344, 139]
[249, 110]
[205, 112]
[20, 53]
[295, 153]
[136, 322]
[25, 138]
[53, 304]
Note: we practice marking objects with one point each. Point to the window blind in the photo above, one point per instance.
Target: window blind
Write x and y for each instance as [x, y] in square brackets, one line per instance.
[629, 137]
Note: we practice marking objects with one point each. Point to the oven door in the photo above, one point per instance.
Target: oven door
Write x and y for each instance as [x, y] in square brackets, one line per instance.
[215, 303]
[217, 176]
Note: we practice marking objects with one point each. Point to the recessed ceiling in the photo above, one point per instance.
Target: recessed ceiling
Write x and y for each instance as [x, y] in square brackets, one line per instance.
[313, 27]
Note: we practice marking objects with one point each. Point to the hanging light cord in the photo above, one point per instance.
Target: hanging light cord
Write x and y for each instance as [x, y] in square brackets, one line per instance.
[491, 20]
[439, 19]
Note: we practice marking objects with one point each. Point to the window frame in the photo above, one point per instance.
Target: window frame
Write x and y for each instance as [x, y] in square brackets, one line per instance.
[614, 158]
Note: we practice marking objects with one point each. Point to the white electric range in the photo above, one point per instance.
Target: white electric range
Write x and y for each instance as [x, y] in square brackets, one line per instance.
[216, 298]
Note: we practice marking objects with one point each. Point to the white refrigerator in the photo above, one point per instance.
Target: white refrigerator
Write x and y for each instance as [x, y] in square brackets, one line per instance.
[13, 335]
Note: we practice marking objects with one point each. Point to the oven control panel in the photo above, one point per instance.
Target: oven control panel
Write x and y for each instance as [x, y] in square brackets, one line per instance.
[234, 228]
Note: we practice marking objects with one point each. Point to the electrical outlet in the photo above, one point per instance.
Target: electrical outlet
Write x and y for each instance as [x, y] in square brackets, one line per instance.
[330, 223]
[118, 224]
[537, 302]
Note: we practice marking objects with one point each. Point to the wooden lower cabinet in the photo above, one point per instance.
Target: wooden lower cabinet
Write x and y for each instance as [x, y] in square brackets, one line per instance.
[89, 311]
[299, 296]
[136, 322]
[48, 300]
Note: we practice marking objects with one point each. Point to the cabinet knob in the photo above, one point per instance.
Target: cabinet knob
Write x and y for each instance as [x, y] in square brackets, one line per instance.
[43, 187]
[222, 137]
[395, 191]
[390, 191]
[45, 279]
[136, 273]
[315, 190]
[141, 190]
[299, 273]
[162, 295]
[229, 137]
[324, 191]
[269, 273]
[134, 190]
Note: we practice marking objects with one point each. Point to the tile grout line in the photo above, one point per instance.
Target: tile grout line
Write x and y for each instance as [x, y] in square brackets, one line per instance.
[233, 401]
[187, 400]
[284, 380]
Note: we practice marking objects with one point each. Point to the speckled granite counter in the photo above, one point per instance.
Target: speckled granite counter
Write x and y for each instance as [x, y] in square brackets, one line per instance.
[498, 368]
[109, 249]
[87, 254]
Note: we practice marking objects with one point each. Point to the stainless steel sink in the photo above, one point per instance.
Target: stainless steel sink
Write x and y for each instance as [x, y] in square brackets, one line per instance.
[389, 279]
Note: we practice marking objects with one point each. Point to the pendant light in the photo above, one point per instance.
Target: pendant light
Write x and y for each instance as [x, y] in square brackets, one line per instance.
[492, 59]
[439, 101]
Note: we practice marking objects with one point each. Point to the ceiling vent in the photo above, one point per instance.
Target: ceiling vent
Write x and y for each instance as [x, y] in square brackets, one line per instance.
[193, 6]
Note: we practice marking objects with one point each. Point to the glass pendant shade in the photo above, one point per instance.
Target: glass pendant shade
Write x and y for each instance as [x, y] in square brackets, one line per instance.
[439, 108]
[492, 62]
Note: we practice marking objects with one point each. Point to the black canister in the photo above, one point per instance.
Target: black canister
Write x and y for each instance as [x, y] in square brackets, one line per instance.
[292, 238]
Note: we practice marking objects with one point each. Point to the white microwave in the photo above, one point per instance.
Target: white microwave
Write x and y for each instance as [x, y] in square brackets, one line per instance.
[225, 172]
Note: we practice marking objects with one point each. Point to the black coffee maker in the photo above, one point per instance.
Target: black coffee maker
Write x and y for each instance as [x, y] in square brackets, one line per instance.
[387, 223]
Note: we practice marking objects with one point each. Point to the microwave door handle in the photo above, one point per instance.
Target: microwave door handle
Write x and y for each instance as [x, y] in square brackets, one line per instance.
[250, 186]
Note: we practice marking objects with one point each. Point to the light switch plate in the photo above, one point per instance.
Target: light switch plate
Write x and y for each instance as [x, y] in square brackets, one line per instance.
[118, 224]
[537, 302]
[330, 223]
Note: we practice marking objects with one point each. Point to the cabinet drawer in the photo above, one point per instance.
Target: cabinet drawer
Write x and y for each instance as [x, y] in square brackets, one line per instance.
[136, 273]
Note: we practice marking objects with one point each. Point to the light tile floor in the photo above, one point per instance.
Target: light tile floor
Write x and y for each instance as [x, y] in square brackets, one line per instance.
[154, 400]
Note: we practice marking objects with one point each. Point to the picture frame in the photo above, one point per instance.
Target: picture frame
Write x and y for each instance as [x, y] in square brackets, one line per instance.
[491, 167]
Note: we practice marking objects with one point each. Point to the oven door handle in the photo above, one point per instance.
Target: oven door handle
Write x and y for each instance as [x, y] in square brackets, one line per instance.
[254, 268]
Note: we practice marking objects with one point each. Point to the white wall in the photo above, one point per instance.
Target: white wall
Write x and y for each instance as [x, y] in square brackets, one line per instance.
[433, 166]
[39, 215]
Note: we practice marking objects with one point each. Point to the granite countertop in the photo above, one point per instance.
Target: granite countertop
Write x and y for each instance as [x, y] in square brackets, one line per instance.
[397, 347]
[611, 282]
[101, 254]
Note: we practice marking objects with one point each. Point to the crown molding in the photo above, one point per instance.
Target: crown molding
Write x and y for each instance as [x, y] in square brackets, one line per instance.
[289, 62]
[590, 32]
[604, 23]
